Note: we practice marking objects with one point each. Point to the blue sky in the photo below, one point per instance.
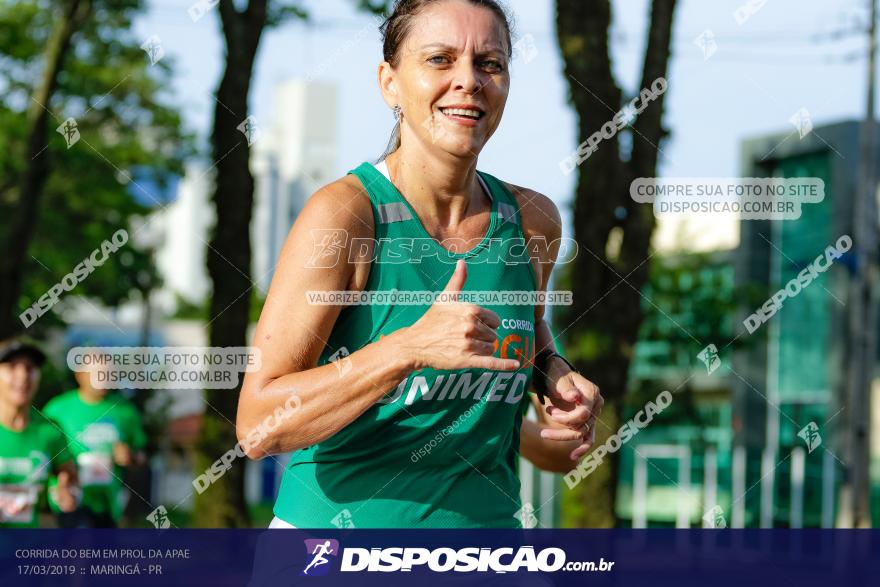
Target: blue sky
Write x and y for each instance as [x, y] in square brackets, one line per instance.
[786, 56]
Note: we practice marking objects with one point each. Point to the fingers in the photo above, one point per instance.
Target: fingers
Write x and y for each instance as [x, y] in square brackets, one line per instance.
[459, 276]
[577, 401]
[586, 439]
[562, 434]
[580, 422]
[63, 479]
[572, 396]
[493, 363]
[62, 493]
[484, 333]
[576, 409]
[456, 285]
[479, 323]
[488, 317]
[480, 348]
[580, 451]
[464, 334]
[581, 391]
[574, 417]
[588, 442]
[121, 454]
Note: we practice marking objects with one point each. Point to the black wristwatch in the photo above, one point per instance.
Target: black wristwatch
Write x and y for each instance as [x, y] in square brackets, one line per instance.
[540, 365]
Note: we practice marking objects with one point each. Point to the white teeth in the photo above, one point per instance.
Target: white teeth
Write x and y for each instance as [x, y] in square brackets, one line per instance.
[462, 112]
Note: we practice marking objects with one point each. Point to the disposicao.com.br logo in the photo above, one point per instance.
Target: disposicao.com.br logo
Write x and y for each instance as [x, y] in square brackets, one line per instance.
[444, 559]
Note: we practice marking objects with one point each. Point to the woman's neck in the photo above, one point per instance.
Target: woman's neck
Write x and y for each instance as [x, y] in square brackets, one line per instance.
[439, 186]
[14, 417]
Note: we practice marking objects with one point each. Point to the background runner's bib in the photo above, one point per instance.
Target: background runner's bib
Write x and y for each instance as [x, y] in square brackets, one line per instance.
[17, 503]
[27, 458]
[93, 429]
[441, 448]
[94, 468]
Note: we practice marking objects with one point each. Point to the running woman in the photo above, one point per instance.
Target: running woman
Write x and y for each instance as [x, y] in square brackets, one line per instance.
[410, 415]
[31, 447]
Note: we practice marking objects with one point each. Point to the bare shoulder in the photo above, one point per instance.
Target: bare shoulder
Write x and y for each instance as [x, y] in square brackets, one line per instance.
[332, 218]
[341, 204]
[540, 216]
[542, 228]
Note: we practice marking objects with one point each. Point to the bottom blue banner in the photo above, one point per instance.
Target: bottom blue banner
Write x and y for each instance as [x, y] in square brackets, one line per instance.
[440, 557]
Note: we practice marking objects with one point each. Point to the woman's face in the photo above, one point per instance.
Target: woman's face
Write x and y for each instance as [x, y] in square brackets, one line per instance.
[452, 78]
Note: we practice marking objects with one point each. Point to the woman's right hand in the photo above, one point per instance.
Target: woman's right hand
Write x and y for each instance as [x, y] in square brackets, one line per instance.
[456, 335]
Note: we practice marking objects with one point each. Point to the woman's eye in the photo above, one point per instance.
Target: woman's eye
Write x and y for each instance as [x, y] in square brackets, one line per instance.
[437, 59]
[493, 65]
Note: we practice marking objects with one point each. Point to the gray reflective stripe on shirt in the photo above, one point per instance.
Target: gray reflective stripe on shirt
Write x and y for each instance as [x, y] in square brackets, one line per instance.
[507, 212]
[393, 212]
[398, 211]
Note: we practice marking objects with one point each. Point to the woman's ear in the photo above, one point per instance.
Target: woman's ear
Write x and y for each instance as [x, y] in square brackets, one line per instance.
[388, 84]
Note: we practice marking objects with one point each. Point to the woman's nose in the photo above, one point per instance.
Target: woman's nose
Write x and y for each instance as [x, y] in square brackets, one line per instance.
[467, 77]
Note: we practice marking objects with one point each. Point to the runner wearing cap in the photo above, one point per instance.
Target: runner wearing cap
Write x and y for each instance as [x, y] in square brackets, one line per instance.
[31, 447]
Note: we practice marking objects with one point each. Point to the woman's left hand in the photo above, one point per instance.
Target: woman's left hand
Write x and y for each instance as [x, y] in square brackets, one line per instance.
[575, 403]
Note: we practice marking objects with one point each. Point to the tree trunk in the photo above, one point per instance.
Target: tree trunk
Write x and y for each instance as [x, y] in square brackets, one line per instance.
[229, 258]
[24, 215]
[601, 326]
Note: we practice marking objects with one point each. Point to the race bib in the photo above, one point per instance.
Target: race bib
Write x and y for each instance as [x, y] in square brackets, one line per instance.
[95, 468]
[17, 503]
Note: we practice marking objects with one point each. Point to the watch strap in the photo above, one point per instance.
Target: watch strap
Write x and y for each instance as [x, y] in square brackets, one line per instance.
[540, 364]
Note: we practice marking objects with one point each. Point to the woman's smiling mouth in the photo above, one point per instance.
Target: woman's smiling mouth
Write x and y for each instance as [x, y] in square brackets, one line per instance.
[463, 114]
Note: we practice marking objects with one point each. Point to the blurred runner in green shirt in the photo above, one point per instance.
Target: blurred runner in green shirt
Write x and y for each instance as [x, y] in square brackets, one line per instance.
[31, 447]
[105, 436]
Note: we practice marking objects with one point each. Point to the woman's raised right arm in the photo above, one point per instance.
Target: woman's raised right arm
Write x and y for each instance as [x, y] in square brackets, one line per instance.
[292, 332]
[290, 402]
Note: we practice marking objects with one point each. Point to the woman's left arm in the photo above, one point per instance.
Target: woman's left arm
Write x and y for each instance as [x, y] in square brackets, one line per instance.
[575, 401]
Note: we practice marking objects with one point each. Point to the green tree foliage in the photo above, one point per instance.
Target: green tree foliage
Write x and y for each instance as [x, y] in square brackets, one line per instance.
[131, 141]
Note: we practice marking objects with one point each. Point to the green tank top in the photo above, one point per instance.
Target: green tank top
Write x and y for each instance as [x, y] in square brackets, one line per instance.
[441, 449]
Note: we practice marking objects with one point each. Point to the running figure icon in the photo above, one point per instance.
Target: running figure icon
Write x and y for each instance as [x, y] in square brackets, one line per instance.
[320, 550]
